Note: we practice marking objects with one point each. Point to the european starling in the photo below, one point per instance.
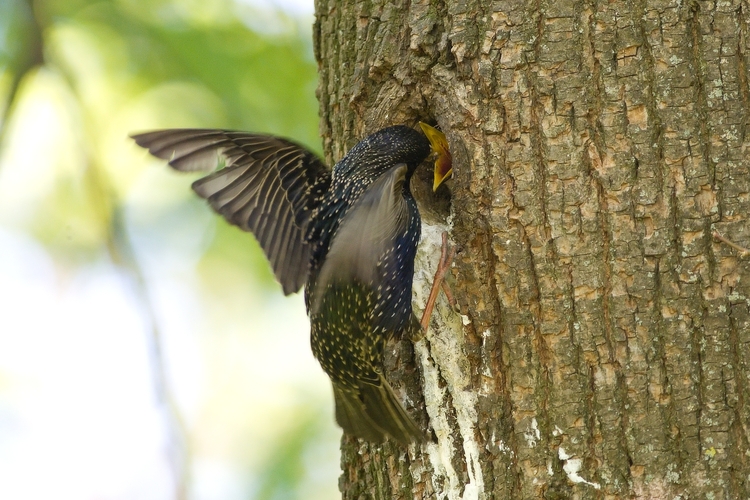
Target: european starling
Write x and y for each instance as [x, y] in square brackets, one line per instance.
[350, 235]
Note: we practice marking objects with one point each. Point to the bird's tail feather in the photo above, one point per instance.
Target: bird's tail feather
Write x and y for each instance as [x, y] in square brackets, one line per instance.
[352, 417]
[373, 412]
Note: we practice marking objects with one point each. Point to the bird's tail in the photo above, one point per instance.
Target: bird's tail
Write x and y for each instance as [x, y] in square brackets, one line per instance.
[373, 413]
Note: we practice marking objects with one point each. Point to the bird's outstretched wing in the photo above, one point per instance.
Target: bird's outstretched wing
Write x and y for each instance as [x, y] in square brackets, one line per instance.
[368, 231]
[264, 184]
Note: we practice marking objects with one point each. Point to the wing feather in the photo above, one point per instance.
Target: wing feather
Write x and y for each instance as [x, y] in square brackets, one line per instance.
[265, 185]
[367, 232]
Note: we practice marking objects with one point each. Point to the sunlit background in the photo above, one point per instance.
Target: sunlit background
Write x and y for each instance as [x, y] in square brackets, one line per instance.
[146, 351]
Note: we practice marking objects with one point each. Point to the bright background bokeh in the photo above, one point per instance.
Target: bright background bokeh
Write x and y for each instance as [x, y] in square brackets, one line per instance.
[146, 351]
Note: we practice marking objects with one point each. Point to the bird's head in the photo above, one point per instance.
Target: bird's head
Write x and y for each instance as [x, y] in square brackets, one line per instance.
[401, 144]
[398, 144]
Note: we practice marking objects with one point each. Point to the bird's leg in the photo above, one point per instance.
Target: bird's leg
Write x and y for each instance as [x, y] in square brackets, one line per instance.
[449, 296]
[446, 257]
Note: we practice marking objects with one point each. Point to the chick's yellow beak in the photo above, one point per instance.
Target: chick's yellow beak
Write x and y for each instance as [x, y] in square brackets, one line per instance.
[443, 159]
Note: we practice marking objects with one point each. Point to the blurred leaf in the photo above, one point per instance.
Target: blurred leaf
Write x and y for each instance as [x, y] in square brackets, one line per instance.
[285, 467]
[21, 49]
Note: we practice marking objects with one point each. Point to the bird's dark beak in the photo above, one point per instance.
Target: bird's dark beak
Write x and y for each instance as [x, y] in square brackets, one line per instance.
[443, 159]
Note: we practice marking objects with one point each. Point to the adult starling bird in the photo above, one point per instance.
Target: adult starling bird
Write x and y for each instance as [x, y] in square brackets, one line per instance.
[349, 234]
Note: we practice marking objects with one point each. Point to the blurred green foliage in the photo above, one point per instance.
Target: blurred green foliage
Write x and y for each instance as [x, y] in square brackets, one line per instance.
[77, 76]
[260, 81]
[148, 64]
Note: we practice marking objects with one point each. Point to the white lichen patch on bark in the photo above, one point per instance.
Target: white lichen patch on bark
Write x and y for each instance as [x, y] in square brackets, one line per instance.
[440, 352]
[533, 435]
[572, 467]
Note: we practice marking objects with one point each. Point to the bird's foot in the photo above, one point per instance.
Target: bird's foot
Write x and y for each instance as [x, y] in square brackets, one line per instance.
[446, 258]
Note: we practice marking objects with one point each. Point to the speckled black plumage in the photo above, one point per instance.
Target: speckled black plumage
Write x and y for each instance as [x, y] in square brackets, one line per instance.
[351, 234]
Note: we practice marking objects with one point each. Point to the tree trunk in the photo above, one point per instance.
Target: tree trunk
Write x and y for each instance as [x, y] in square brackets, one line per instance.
[603, 345]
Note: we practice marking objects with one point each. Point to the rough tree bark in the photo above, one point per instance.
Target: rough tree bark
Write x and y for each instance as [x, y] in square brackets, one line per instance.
[603, 345]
